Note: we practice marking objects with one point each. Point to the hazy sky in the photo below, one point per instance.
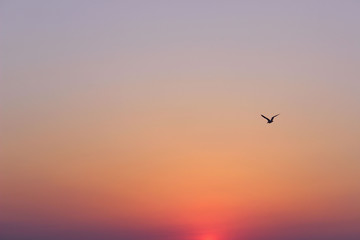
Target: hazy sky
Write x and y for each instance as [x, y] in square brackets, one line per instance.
[141, 120]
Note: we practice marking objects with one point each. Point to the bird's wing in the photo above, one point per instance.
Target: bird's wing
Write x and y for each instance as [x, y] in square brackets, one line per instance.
[274, 116]
[265, 117]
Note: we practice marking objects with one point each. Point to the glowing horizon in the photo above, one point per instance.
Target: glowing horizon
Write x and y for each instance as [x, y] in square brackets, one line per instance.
[138, 120]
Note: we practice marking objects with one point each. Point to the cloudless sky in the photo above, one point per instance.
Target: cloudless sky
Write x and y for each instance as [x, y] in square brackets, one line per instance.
[141, 120]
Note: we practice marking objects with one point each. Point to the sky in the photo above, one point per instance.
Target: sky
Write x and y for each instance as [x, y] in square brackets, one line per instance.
[137, 120]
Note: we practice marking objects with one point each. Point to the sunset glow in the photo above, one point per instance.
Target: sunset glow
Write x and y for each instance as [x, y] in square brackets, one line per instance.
[141, 120]
[209, 237]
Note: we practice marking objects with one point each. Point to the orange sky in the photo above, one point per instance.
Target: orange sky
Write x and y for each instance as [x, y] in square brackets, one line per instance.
[143, 121]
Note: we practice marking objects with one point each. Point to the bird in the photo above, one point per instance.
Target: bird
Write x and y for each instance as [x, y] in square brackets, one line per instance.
[270, 120]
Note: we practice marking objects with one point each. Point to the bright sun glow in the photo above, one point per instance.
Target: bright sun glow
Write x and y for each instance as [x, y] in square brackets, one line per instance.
[209, 237]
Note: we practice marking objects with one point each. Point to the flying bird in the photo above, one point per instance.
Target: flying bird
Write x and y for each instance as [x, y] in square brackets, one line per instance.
[270, 120]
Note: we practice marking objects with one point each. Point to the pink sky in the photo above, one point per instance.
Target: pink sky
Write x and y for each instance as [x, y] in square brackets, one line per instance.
[141, 120]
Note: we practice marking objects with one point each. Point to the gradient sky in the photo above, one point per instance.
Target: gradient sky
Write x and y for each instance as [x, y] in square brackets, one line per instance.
[140, 120]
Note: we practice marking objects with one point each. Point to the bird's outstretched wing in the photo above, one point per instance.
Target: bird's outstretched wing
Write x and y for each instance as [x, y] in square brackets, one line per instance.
[265, 117]
[274, 116]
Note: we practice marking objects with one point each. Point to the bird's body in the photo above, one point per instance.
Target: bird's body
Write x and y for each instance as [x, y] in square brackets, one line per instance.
[270, 120]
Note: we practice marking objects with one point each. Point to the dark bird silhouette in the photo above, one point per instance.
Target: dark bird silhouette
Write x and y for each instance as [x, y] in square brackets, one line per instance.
[270, 120]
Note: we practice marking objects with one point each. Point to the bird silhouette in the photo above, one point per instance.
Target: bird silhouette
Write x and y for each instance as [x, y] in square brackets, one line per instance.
[270, 120]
